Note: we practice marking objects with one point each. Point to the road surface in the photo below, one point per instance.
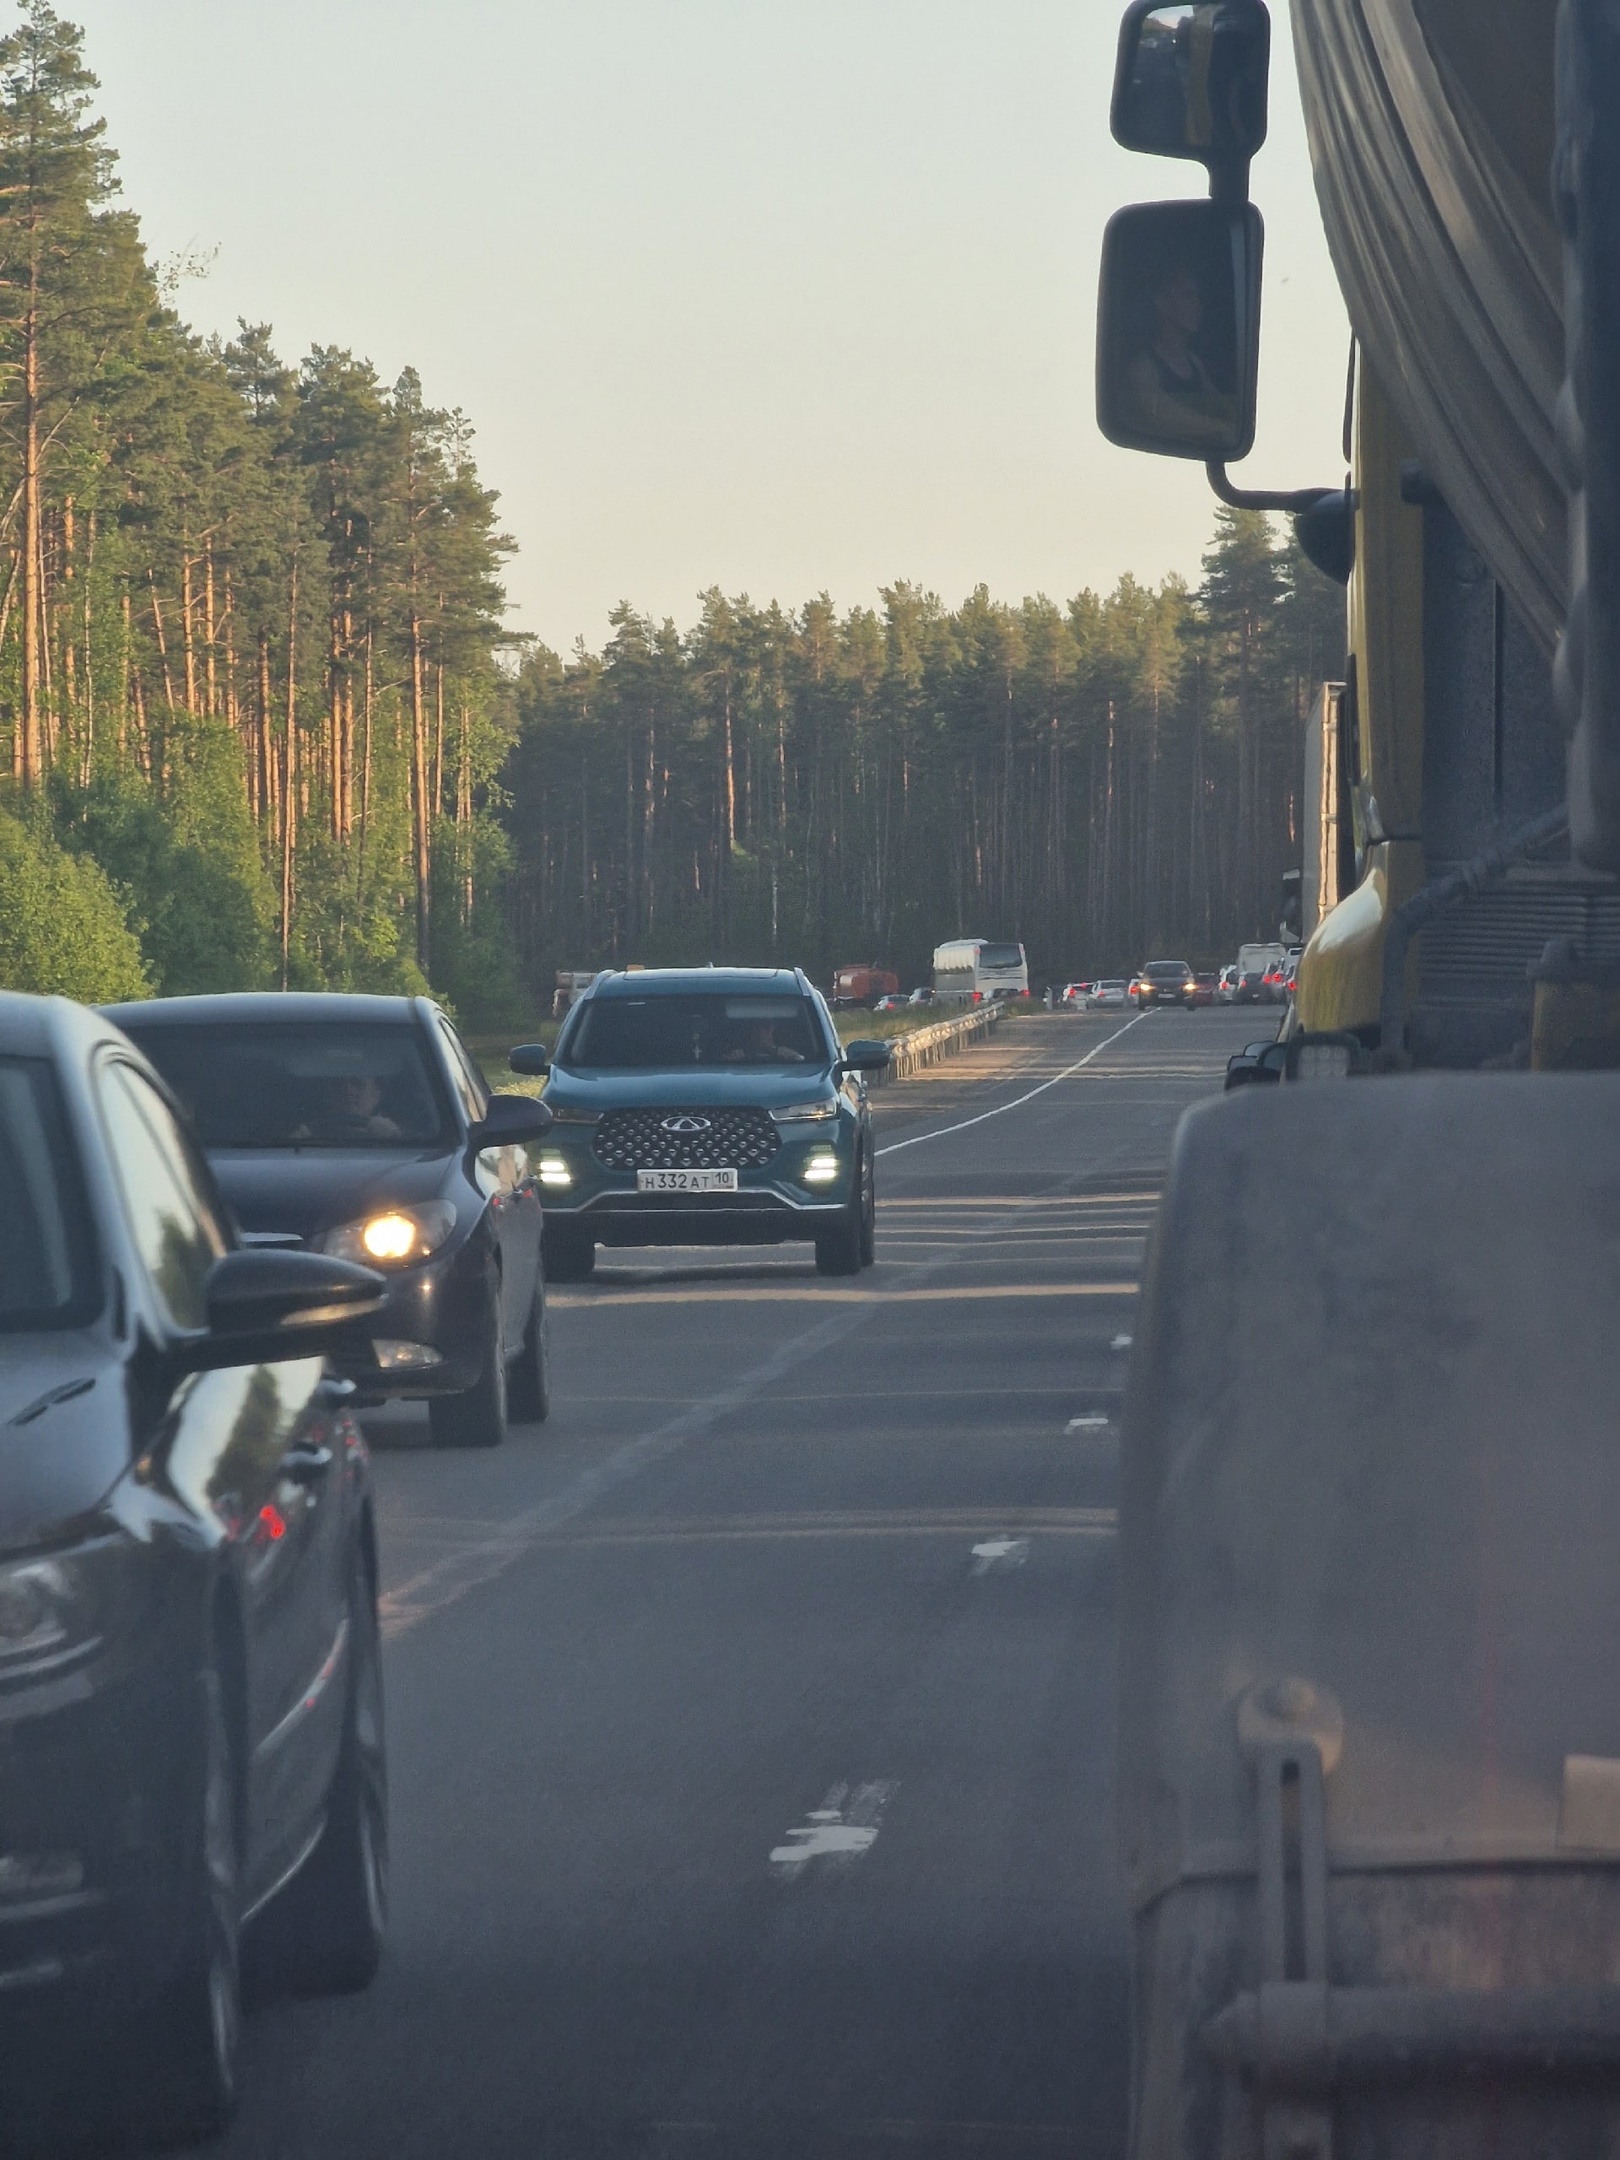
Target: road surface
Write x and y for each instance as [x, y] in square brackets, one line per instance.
[751, 1722]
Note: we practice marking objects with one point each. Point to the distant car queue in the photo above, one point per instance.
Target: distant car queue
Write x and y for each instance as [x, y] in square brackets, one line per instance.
[1261, 975]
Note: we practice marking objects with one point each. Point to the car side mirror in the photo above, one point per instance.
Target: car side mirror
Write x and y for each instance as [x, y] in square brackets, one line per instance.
[509, 1121]
[1178, 329]
[1190, 80]
[864, 1057]
[266, 1305]
[530, 1059]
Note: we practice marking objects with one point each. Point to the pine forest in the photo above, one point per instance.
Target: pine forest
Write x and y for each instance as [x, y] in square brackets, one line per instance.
[263, 721]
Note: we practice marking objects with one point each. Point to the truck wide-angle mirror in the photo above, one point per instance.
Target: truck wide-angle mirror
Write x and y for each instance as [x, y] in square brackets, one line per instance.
[1190, 80]
[1178, 329]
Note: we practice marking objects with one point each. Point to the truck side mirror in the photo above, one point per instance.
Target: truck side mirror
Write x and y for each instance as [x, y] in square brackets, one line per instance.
[1178, 329]
[1190, 80]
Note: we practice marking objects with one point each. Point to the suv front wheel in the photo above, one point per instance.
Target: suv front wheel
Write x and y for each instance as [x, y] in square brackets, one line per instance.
[844, 1247]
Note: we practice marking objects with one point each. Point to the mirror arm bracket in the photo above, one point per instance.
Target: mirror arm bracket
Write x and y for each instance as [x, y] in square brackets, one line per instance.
[1295, 501]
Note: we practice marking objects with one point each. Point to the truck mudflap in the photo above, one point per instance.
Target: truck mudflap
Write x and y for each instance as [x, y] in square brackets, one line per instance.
[1369, 1720]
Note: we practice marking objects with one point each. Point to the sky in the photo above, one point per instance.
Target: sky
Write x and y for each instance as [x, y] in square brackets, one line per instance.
[751, 293]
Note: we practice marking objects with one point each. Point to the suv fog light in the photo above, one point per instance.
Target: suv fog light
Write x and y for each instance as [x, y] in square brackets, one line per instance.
[821, 1169]
[555, 1172]
[406, 1356]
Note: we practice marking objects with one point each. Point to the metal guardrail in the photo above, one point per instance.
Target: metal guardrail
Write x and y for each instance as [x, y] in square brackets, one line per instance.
[908, 1054]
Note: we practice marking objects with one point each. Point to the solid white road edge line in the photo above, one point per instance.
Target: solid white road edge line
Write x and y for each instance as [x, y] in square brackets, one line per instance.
[1001, 1109]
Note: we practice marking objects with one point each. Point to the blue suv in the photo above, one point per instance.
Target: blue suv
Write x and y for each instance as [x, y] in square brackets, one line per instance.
[705, 1106]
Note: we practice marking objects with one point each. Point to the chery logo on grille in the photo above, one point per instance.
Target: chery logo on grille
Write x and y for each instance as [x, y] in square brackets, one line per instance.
[686, 1124]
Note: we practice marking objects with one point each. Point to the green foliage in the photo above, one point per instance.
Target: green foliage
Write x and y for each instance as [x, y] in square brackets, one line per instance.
[62, 929]
[1097, 779]
[253, 664]
[250, 614]
[189, 862]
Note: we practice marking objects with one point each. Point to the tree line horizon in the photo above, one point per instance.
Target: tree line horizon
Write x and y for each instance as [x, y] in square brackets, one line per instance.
[263, 722]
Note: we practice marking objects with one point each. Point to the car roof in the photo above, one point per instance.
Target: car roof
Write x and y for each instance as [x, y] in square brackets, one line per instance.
[33, 1026]
[691, 982]
[250, 1007]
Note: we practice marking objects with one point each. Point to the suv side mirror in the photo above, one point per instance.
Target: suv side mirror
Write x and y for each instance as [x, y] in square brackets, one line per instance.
[266, 1305]
[509, 1121]
[1178, 329]
[864, 1057]
[1190, 80]
[530, 1059]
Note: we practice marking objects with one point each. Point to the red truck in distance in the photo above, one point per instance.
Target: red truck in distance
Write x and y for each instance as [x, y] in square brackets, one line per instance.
[863, 984]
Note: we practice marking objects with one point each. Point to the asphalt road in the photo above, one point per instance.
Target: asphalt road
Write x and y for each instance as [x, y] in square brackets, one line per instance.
[751, 1722]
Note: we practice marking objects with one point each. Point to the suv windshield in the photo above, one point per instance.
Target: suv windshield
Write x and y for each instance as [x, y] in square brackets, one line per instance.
[672, 1031]
[47, 1278]
[266, 1084]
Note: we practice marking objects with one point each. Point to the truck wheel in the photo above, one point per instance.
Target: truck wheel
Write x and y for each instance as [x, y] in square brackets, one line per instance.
[569, 1253]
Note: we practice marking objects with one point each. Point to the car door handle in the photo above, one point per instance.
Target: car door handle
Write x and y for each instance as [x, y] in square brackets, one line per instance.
[306, 1465]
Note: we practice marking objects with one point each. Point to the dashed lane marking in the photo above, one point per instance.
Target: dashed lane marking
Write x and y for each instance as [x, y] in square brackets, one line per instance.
[814, 1293]
[1094, 1421]
[1000, 1552]
[841, 1831]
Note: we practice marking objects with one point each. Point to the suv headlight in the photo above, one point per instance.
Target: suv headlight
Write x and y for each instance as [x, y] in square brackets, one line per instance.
[791, 1113]
[392, 1237]
[47, 1615]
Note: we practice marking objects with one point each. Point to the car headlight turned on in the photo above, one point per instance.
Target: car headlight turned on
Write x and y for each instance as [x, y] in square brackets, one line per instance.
[821, 1169]
[393, 1237]
[794, 1113]
[47, 1615]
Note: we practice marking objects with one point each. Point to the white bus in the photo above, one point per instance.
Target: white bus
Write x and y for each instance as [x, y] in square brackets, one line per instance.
[973, 970]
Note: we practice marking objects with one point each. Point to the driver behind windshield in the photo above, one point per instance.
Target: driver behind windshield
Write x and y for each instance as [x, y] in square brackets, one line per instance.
[754, 1043]
[347, 1105]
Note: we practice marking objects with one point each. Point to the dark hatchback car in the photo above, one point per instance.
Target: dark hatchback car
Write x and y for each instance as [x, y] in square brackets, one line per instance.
[362, 1127]
[706, 1106]
[191, 1724]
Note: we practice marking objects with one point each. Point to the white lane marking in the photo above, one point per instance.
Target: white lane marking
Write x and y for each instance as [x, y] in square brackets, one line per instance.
[814, 1294]
[839, 1831]
[1001, 1109]
[952, 1206]
[1000, 1552]
[1092, 1422]
[1121, 1342]
[448, 1579]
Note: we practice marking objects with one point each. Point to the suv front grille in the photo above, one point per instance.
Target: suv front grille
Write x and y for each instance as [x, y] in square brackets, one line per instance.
[728, 1140]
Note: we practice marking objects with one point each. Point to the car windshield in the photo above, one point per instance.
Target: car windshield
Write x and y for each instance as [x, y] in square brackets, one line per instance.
[1167, 970]
[673, 1031]
[47, 1274]
[273, 1084]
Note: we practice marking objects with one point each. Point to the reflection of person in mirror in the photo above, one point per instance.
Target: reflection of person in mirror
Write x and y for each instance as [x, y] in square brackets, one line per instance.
[1171, 388]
